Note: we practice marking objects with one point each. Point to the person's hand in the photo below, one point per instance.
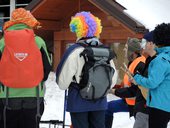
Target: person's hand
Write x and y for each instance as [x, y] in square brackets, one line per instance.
[126, 70]
[117, 86]
[112, 91]
[130, 75]
[132, 80]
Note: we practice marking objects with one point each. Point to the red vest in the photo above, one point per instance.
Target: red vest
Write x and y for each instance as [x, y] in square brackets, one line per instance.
[132, 66]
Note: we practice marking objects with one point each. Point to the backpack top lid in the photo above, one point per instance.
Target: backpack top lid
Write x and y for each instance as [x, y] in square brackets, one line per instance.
[97, 53]
[95, 49]
[21, 62]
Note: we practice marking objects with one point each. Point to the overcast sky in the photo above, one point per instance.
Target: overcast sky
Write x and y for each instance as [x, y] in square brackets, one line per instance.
[148, 12]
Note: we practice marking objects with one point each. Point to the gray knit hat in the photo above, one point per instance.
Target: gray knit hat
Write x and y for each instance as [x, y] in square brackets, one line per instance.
[133, 45]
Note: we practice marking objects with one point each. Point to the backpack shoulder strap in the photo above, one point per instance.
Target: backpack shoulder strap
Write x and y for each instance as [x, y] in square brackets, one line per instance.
[64, 58]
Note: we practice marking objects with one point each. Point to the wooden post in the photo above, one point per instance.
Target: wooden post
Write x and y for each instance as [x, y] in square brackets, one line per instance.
[57, 53]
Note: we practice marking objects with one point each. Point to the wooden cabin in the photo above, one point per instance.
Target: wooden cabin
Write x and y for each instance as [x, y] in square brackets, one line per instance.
[56, 15]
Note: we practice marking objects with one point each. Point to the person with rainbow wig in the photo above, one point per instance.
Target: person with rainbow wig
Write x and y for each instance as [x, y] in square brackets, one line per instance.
[84, 113]
[85, 24]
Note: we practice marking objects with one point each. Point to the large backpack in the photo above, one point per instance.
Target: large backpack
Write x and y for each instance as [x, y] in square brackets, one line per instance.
[97, 73]
[21, 63]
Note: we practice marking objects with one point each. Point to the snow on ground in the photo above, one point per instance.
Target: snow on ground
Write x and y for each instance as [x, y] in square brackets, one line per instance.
[54, 102]
[54, 107]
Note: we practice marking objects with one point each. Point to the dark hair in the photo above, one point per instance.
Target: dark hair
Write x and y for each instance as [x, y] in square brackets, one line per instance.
[161, 35]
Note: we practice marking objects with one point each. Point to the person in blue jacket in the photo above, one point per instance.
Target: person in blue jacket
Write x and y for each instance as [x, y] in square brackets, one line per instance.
[84, 113]
[158, 79]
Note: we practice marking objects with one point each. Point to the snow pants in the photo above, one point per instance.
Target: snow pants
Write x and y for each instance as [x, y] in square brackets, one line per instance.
[20, 118]
[91, 119]
[114, 107]
[141, 120]
[158, 118]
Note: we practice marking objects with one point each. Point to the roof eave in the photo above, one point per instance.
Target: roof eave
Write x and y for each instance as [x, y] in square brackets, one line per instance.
[119, 15]
[33, 4]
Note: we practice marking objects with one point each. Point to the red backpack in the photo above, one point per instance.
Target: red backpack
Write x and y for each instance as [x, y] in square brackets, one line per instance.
[21, 63]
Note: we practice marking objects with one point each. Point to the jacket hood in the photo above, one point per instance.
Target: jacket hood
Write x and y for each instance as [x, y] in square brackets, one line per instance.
[91, 41]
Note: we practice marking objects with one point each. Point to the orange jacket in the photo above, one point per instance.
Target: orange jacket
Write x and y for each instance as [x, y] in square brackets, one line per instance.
[127, 83]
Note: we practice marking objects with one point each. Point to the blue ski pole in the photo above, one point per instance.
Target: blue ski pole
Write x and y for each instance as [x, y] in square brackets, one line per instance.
[65, 104]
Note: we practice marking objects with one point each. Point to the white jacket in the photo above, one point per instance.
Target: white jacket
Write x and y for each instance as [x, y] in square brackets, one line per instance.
[73, 67]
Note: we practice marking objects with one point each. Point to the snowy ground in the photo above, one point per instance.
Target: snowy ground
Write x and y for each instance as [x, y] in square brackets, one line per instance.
[54, 107]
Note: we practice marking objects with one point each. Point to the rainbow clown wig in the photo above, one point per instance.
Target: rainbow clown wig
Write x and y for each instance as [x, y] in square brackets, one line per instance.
[85, 24]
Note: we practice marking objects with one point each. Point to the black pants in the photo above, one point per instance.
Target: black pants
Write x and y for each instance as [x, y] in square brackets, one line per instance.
[93, 119]
[158, 118]
[21, 118]
[1, 113]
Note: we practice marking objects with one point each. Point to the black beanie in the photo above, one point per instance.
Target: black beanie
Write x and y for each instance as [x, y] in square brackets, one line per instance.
[148, 36]
[161, 34]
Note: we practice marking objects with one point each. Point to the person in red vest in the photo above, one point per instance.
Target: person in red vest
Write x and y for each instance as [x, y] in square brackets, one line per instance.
[24, 66]
[128, 91]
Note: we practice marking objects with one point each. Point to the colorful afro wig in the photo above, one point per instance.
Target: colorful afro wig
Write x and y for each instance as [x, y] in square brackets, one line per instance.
[85, 25]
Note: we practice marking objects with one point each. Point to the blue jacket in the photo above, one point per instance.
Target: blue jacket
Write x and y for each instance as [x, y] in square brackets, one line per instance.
[158, 80]
[71, 66]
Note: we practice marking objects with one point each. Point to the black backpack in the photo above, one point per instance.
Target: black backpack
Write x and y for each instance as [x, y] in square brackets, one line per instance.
[96, 78]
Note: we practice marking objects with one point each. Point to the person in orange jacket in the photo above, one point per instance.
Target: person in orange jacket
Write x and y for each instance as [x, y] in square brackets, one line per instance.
[128, 92]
